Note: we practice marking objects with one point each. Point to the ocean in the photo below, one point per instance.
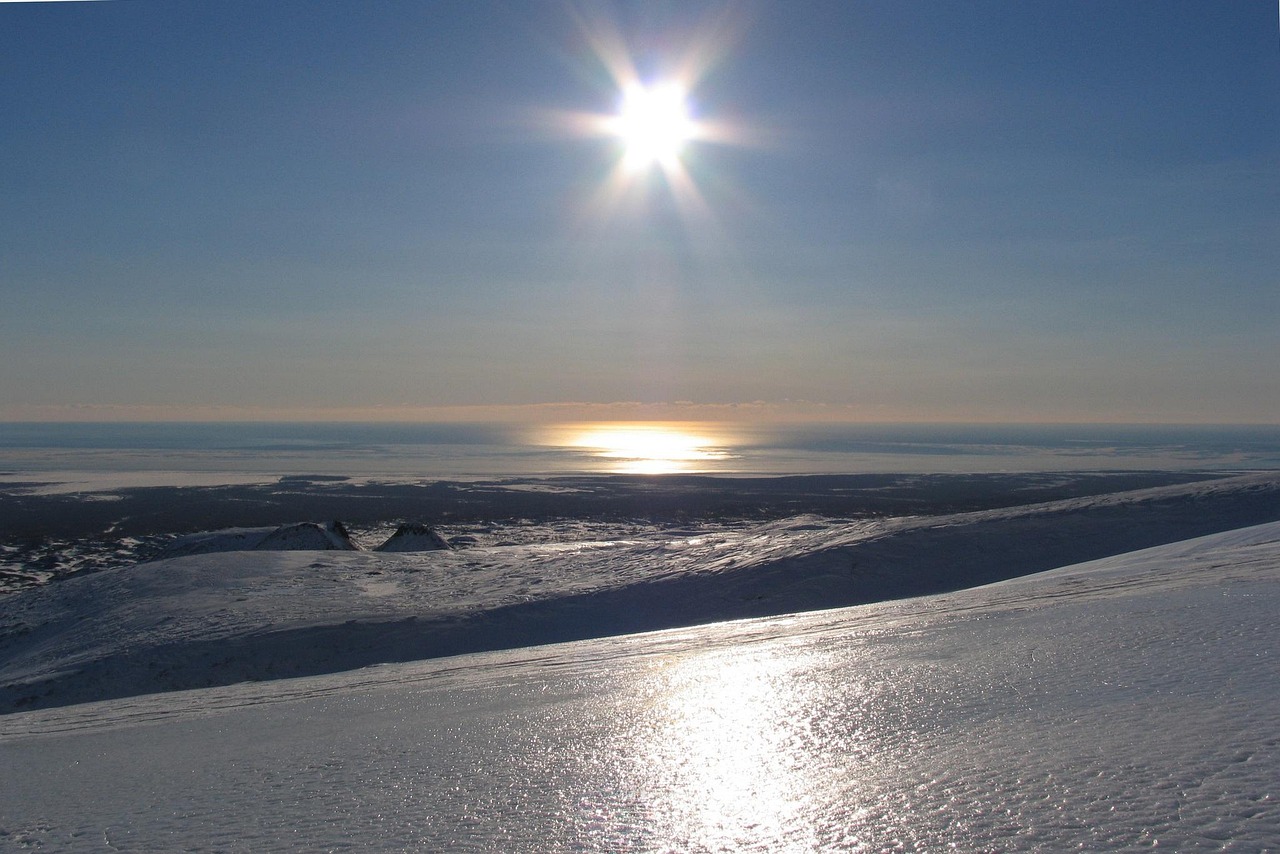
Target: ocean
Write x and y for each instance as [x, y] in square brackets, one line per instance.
[115, 454]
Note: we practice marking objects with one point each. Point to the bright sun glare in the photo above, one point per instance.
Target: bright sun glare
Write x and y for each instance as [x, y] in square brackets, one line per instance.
[645, 448]
[653, 123]
[655, 119]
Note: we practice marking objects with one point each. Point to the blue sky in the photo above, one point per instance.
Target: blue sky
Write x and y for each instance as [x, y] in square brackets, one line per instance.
[1000, 211]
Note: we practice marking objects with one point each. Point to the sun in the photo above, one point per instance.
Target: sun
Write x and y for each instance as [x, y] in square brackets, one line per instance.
[662, 141]
[653, 123]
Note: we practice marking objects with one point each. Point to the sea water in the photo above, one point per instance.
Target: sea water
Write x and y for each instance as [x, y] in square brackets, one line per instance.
[182, 453]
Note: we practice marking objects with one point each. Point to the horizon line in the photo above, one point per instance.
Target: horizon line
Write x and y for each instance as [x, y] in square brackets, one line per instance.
[757, 412]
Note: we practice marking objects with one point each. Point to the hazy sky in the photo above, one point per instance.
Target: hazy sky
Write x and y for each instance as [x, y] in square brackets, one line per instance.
[921, 211]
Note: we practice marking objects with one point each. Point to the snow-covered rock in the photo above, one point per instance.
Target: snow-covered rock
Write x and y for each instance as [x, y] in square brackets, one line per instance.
[302, 536]
[414, 537]
[307, 536]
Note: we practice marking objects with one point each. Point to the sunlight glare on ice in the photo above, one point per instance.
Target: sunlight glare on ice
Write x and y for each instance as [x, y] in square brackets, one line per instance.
[717, 757]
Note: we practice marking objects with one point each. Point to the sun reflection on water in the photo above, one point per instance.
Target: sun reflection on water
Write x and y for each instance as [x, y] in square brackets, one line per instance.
[647, 448]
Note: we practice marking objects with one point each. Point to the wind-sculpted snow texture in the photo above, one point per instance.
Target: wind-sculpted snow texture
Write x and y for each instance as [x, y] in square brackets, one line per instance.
[217, 619]
[1128, 703]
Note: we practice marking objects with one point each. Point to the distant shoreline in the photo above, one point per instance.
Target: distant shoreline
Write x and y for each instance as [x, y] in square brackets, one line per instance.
[199, 453]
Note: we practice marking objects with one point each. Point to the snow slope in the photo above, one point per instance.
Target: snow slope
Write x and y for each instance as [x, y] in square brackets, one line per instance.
[1126, 703]
[220, 618]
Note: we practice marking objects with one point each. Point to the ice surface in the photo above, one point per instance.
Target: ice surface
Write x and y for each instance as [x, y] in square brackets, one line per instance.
[1127, 703]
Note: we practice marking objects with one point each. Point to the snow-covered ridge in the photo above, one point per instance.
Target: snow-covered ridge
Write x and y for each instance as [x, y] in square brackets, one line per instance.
[221, 618]
[301, 536]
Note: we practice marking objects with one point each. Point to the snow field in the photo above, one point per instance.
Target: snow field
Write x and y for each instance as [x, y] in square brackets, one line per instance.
[231, 616]
[1124, 704]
